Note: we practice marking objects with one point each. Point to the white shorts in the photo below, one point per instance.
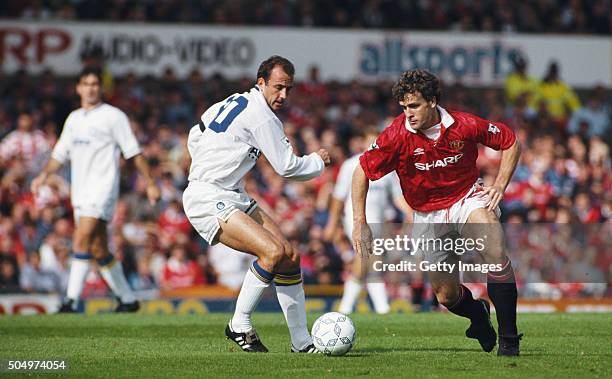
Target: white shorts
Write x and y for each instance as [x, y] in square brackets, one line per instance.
[449, 222]
[102, 211]
[205, 204]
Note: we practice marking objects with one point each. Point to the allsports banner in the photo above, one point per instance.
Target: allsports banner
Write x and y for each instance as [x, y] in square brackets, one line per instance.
[471, 58]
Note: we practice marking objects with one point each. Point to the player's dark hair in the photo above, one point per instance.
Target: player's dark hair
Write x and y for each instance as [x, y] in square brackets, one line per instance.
[90, 70]
[266, 67]
[421, 81]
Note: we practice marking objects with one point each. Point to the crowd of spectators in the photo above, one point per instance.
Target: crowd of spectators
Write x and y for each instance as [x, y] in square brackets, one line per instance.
[541, 16]
[564, 175]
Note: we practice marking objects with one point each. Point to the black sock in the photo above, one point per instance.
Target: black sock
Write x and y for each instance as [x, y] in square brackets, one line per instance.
[501, 287]
[417, 293]
[466, 306]
[434, 301]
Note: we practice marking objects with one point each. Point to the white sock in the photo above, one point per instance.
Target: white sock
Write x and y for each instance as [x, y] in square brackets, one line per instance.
[252, 289]
[292, 301]
[352, 288]
[378, 294]
[79, 268]
[113, 275]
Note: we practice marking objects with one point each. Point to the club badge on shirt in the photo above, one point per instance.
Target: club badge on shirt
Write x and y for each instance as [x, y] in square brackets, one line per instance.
[456, 145]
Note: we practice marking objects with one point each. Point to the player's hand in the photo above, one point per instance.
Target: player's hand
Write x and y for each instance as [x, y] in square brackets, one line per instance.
[496, 194]
[324, 154]
[38, 182]
[362, 239]
[153, 193]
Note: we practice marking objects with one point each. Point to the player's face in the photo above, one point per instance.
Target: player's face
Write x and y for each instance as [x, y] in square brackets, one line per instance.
[421, 114]
[89, 90]
[277, 88]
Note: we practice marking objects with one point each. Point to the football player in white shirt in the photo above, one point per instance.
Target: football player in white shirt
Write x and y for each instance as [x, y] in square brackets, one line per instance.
[381, 195]
[224, 146]
[92, 140]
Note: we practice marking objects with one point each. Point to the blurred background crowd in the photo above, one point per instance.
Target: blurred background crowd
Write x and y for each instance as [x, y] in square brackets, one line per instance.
[528, 16]
[564, 175]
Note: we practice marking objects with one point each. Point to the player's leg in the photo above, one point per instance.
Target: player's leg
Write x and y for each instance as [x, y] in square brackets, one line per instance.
[242, 233]
[501, 284]
[112, 270]
[352, 286]
[378, 295]
[80, 263]
[459, 300]
[375, 280]
[289, 287]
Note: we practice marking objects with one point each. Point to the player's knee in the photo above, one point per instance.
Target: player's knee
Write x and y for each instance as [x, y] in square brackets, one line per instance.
[447, 294]
[494, 255]
[83, 241]
[275, 255]
[98, 252]
[292, 255]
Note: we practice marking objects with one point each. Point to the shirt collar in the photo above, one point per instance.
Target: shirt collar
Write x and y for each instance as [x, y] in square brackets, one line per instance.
[88, 111]
[445, 119]
[258, 94]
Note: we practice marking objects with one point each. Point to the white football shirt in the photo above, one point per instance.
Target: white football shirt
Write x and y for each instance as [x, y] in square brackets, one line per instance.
[234, 133]
[380, 194]
[92, 140]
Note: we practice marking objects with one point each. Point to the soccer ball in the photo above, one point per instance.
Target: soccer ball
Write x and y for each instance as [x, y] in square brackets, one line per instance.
[333, 334]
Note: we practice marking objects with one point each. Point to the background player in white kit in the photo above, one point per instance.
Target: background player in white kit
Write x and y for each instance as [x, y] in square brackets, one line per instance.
[92, 140]
[224, 146]
[381, 195]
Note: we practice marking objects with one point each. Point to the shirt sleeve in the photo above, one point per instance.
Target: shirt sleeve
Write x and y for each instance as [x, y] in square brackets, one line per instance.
[124, 136]
[495, 135]
[273, 143]
[342, 188]
[382, 157]
[61, 151]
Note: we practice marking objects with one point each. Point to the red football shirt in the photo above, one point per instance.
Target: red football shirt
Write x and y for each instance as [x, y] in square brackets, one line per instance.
[434, 174]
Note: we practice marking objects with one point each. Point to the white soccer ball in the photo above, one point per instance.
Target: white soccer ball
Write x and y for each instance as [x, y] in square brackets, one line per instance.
[333, 334]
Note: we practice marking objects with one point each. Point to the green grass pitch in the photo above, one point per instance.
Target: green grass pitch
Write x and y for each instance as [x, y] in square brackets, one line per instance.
[410, 345]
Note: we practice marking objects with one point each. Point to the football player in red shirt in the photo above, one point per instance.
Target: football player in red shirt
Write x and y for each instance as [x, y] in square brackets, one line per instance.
[434, 153]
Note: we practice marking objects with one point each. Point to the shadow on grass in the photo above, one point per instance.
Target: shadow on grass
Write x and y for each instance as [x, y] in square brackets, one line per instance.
[424, 349]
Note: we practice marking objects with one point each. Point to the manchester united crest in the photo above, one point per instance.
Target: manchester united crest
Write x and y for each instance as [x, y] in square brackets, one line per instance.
[456, 145]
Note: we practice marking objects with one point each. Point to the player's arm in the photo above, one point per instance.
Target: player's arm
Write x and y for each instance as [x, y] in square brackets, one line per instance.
[362, 234]
[509, 161]
[499, 136]
[128, 144]
[276, 147]
[153, 192]
[51, 167]
[59, 155]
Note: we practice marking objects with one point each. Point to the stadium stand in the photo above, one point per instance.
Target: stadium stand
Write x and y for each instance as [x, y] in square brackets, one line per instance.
[564, 175]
